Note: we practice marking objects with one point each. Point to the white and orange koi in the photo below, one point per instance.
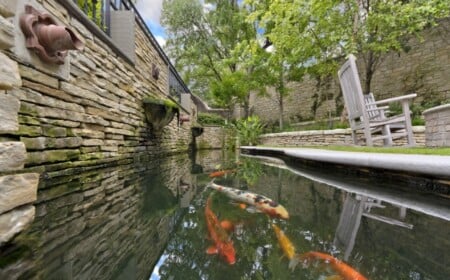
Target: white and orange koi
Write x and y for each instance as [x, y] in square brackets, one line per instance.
[260, 202]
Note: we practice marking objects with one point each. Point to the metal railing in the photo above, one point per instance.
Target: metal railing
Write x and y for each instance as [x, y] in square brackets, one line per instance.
[99, 11]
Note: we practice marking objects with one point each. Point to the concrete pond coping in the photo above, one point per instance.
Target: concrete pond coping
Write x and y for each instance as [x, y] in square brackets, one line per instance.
[426, 165]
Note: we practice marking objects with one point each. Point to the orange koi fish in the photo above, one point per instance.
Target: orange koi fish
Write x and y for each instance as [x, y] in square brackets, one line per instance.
[222, 242]
[220, 173]
[260, 202]
[287, 247]
[344, 270]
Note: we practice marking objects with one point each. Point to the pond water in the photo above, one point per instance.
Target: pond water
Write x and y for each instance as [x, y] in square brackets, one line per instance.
[146, 220]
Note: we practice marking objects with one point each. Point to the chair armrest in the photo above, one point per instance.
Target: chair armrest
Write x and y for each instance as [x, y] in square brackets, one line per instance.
[376, 108]
[395, 99]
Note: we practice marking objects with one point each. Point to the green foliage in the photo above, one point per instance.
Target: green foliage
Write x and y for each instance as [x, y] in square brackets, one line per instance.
[210, 119]
[233, 88]
[166, 102]
[249, 130]
[311, 34]
[201, 42]
[94, 12]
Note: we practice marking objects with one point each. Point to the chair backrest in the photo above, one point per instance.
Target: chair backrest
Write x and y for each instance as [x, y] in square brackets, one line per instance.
[352, 91]
[373, 111]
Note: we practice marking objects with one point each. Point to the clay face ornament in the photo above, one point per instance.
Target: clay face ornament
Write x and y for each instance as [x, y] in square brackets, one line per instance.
[48, 40]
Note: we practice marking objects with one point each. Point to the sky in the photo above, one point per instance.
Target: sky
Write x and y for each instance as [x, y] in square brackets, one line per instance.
[150, 11]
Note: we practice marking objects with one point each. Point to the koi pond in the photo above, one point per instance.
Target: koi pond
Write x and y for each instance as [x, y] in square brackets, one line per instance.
[164, 220]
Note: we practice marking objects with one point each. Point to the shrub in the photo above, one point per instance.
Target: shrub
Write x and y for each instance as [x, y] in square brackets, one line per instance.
[210, 119]
[249, 130]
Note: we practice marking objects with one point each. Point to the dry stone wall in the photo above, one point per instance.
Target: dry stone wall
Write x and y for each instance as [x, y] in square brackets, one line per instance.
[437, 120]
[60, 120]
[215, 137]
[329, 137]
[96, 114]
[17, 191]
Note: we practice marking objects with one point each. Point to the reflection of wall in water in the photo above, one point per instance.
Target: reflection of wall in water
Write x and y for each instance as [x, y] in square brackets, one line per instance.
[91, 224]
[209, 159]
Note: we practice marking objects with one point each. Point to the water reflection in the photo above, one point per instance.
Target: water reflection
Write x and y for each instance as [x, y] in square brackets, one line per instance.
[103, 223]
[354, 208]
[382, 233]
[121, 222]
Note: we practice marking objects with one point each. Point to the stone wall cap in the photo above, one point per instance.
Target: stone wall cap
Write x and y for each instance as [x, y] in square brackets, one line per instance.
[436, 109]
[418, 128]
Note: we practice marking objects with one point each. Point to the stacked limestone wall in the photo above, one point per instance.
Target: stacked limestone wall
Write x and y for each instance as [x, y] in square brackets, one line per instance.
[18, 190]
[215, 137]
[424, 69]
[59, 120]
[437, 121]
[95, 114]
[329, 137]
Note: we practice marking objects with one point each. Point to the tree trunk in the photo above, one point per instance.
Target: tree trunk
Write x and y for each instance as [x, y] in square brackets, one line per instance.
[370, 65]
[281, 106]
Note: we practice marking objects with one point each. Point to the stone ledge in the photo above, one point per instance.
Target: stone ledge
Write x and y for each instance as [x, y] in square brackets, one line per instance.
[13, 222]
[436, 109]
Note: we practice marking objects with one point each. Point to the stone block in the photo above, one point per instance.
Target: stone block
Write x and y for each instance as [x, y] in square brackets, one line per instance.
[7, 8]
[6, 34]
[52, 156]
[53, 131]
[9, 73]
[34, 143]
[12, 156]
[38, 76]
[13, 222]
[9, 108]
[17, 190]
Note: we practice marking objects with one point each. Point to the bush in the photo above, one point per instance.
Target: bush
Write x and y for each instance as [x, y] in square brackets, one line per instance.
[210, 119]
[249, 130]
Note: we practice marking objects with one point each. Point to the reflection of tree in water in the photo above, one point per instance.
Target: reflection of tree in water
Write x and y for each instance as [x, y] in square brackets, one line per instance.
[250, 171]
[158, 198]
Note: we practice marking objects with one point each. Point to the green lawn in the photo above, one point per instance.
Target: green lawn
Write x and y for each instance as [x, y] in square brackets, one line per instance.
[444, 151]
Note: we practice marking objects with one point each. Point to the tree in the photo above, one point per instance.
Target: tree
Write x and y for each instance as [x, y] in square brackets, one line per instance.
[201, 42]
[297, 51]
[313, 33]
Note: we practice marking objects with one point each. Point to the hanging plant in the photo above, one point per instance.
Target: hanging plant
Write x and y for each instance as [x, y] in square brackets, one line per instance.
[160, 112]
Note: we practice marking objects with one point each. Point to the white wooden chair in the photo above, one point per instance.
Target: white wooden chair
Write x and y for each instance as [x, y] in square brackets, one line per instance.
[365, 115]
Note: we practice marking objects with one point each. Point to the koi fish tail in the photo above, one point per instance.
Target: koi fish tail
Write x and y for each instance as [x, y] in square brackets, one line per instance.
[294, 261]
[210, 183]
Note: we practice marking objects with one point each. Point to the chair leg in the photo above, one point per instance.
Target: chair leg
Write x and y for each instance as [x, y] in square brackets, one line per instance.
[368, 136]
[387, 132]
[408, 125]
[355, 139]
